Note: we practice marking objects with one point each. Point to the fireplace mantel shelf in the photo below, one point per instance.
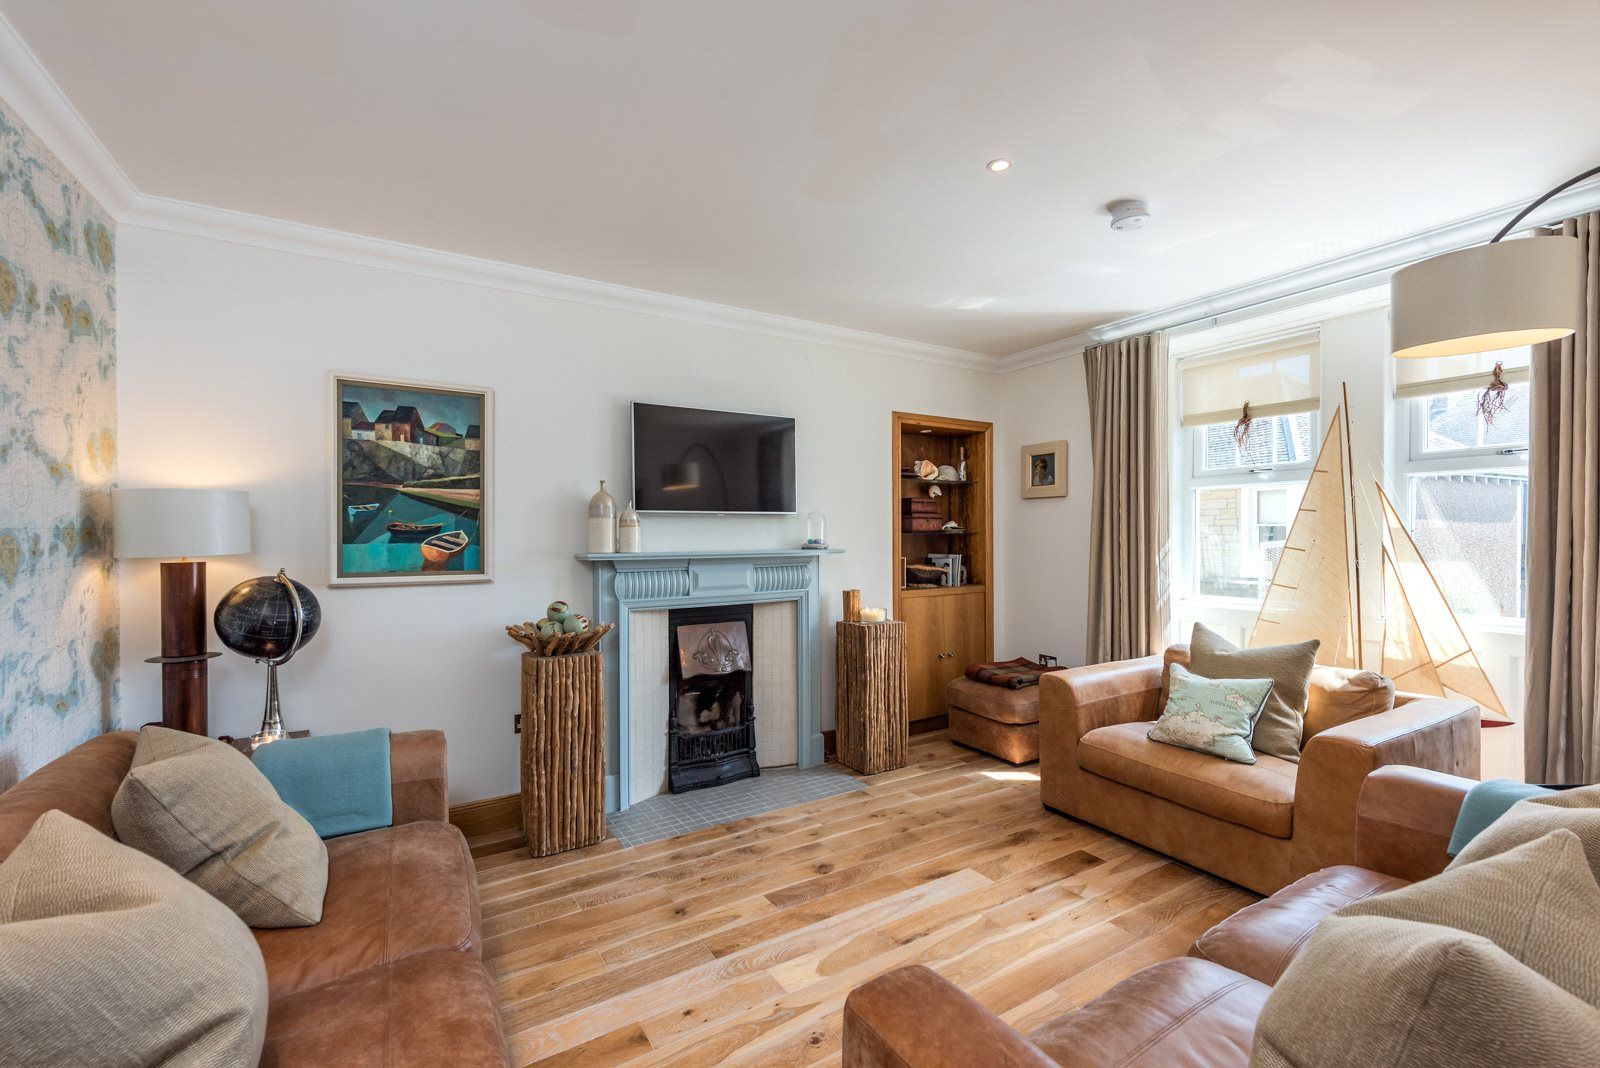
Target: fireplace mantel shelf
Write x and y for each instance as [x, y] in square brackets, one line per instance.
[627, 583]
[707, 554]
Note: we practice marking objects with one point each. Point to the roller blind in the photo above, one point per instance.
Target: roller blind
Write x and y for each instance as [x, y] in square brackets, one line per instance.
[1452, 374]
[1279, 377]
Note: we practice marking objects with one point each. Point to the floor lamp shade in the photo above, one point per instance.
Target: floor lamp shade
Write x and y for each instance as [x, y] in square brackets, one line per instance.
[175, 525]
[1488, 297]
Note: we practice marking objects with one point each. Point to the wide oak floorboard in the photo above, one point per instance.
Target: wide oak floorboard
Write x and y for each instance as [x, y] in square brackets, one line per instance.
[737, 944]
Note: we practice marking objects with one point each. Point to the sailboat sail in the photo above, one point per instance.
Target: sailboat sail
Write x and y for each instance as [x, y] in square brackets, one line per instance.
[1310, 592]
[1405, 654]
[1454, 664]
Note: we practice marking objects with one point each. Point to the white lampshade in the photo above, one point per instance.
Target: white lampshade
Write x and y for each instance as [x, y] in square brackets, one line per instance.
[173, 523]
[1487, 297]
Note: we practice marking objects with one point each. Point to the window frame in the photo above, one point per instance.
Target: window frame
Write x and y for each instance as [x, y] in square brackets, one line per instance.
[1196, 478]
[1416, 460]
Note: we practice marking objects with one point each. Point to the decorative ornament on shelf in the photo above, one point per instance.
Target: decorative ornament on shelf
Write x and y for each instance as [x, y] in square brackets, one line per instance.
[961, 465]
[816, 536]
[602, 521]
[946, 473]
[268, 619]
[630, 539]
[925, 469]
[560, 632]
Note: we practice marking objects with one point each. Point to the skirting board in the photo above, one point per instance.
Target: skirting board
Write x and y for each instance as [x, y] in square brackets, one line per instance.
[488, 815]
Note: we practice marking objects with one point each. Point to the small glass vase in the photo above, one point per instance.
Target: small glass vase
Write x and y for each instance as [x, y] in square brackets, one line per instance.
[816, 531]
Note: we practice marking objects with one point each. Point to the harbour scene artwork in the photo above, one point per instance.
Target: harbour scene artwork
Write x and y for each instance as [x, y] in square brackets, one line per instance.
[410, 502]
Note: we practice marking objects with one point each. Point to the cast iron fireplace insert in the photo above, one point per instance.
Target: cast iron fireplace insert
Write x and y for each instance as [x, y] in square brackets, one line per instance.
[711, 724]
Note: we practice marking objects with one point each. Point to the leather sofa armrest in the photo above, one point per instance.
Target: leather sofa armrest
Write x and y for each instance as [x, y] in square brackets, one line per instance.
[1404, 820]
[1100, 695]
[419, 782]
[1436, 733]
[913, 1018]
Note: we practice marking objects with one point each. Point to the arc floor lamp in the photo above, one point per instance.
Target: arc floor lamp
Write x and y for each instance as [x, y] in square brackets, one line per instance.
[1495, 296]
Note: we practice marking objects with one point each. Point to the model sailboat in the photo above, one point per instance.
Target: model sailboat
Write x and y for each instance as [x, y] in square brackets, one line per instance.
[1316, 591]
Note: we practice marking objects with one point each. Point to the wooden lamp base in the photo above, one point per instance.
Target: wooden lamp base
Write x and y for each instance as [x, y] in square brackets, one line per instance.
[183, 646]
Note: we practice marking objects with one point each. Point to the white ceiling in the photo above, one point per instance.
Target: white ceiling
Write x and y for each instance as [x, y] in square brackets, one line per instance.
[824, 160]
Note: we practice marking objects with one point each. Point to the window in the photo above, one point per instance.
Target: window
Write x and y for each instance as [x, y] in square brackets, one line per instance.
[1466, 498]
[1241, 501]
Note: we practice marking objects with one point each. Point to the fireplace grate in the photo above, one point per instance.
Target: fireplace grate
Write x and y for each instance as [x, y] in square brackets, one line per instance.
[701, 755]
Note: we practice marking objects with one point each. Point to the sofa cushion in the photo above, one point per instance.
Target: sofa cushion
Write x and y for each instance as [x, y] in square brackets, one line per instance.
[1538, 902]
[81, 783]
[108, 957]
[1259, 796]
[994, 702]
[1532, 818]
[431, 1009]
[1212, 716]
[1391, 993]
[1340, 695]
[1278, 731]
[1182, 1013]
[392, 893]
[1261, 939]
[202, 808]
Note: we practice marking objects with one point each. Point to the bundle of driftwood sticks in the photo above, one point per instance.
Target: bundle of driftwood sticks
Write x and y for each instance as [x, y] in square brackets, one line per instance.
[558, 644]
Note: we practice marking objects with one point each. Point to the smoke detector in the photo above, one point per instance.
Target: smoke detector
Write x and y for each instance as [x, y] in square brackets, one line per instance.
[1129, 214]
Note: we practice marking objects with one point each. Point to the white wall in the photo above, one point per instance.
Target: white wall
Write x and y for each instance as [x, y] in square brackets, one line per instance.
[224, 352]
[1042, 600]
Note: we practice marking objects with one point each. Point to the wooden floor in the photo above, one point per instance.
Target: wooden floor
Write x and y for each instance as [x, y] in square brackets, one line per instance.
[737, 944]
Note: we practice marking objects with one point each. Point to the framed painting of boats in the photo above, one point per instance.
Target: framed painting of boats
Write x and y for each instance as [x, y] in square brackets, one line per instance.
[411, 482]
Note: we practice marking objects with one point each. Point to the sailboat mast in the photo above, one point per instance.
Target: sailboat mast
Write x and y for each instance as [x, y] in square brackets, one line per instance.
[1355, 521]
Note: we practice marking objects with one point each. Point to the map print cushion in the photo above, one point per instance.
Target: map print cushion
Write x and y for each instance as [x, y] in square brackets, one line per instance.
[1213, 716]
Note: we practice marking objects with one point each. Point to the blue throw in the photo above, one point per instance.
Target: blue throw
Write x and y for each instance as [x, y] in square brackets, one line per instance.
[1485, 803]
[338, 782]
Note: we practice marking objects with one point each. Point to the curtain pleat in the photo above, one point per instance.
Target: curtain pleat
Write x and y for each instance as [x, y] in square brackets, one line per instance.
[1562, 719]
[1128, 565]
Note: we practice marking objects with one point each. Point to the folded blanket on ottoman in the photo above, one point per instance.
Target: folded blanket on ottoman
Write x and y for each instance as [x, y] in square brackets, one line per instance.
[1012, 674]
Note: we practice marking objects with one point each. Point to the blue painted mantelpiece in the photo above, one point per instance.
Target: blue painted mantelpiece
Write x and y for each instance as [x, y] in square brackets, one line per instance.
[628, 582]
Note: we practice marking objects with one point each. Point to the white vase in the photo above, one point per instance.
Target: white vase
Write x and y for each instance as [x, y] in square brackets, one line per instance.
[629, 537]
[602, 522]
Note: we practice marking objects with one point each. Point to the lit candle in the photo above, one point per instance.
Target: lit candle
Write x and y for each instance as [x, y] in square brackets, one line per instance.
[874, 615]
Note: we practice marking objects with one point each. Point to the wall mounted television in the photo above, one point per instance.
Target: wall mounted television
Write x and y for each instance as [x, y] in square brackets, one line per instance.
[702, 461]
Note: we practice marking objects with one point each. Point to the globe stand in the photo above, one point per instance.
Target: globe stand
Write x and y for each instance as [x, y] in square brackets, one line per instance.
[272, 718]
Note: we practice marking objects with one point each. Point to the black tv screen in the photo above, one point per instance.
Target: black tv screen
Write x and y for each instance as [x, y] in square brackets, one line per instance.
[695, 460]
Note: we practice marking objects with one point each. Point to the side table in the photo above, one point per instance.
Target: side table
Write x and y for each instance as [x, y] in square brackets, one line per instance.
[563, 751]
[873, 729]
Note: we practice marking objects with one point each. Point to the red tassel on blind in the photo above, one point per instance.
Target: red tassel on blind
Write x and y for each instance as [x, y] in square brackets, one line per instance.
[1241, 429]
[1492, 401]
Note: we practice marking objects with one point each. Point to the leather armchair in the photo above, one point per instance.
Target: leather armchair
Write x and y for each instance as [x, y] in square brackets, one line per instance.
[1188, 805]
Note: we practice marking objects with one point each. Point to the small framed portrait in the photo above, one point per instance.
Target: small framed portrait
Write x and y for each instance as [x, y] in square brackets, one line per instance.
[1044, 470]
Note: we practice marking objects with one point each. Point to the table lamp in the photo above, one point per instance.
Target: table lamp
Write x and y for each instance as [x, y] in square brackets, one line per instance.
[175, 525]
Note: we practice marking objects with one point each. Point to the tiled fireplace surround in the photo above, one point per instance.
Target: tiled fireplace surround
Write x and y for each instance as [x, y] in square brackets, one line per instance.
[636, 590]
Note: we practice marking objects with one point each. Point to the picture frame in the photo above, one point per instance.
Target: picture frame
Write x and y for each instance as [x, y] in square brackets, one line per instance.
[410, 482]
[1044, 470]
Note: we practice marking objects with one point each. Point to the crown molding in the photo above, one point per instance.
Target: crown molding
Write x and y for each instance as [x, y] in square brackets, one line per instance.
[219, 224]
[1350, 273]
[43, 108]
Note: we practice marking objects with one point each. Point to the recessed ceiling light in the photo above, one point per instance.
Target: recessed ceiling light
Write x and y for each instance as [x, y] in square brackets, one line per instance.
[996, 166]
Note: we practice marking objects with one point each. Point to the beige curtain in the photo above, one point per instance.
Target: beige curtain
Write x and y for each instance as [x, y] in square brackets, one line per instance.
[1562, 716]
[1128, 586]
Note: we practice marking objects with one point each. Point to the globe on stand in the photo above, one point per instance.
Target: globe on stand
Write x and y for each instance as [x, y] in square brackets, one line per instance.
[268, 619]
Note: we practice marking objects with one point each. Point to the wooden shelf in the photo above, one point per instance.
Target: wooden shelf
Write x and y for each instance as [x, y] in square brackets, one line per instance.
[936, 481]
[942, 591]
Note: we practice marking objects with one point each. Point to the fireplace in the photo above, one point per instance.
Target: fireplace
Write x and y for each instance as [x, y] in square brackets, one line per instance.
[711, 723]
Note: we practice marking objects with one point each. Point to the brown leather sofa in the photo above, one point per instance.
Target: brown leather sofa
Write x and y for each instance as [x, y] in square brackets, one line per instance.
[1260, 825]
[391, 976]
[1197, 1011]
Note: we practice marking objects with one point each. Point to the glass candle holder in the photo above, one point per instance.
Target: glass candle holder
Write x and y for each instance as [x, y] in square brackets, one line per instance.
[816, 531]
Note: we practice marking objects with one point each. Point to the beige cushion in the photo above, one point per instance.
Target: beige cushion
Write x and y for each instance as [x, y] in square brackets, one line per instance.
[1531, 818]
[201, 807]
[1340, 695]
[1289, 667]
[109, 958]
[1374, 992]
[1405, 978]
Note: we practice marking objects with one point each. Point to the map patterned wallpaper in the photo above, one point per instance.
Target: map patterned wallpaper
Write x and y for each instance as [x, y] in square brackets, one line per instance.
[58, 450]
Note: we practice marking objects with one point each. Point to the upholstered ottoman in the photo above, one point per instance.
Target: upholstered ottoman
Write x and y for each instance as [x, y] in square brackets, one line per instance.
[994, 719]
